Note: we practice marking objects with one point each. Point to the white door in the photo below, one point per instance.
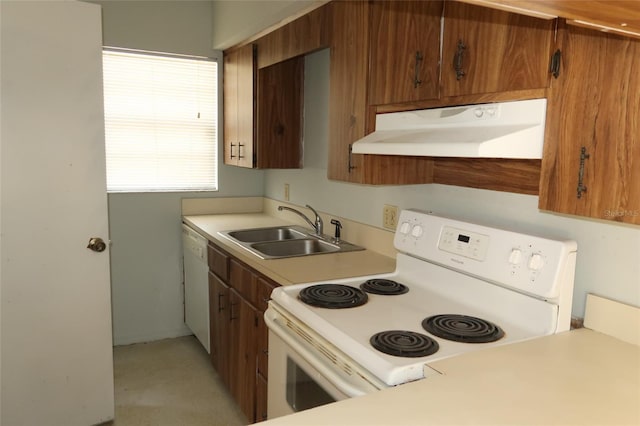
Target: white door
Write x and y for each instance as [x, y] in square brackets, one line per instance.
[56, 352]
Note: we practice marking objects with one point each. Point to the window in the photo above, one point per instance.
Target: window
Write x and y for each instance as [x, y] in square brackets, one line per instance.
[161, 119]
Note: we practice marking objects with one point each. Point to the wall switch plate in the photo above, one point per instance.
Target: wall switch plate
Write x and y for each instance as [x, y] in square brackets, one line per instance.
[286, 192]
[390, 216]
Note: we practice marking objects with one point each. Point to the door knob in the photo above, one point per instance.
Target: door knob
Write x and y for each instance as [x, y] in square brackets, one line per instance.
[97, 244]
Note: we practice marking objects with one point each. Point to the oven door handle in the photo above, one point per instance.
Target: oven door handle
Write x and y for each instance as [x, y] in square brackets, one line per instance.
[348, 389]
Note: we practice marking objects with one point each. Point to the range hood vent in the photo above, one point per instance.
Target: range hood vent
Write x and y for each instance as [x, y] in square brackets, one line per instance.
[497, 130]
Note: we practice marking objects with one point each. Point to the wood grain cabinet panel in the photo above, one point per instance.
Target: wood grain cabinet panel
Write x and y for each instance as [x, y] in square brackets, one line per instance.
[219, 327]
[243, 280]
[304, 35]
[243, 326]
[218, 262]
[261, 399]
[350, 117]
[280, 106]
[347, 87]
[239, 335]
[486, 50]
[238, 104]
[262, 111]
[594, 105]
[404, 51]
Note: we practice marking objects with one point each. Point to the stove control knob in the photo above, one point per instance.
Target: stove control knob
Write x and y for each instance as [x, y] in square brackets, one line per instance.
[417, 231]
[515, 257]
[536, 262]
[405, 228]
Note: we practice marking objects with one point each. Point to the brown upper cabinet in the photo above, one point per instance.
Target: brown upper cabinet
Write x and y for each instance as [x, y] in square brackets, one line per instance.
[613, 16]
[349, 114]
[280, 114]
[262, 111]
[483, 51]
[591, 160]
[404, 51]
[487, 50]
[238, 104]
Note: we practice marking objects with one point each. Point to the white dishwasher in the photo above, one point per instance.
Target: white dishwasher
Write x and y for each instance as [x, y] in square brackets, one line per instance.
[196, 284]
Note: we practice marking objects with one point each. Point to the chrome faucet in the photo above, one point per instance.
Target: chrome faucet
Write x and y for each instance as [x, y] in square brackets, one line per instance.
[318, 225]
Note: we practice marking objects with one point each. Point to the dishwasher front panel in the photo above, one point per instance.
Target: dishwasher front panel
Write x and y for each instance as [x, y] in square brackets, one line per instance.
[196, 285]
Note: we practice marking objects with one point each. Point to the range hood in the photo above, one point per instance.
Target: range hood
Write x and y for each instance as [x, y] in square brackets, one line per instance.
[496, 130]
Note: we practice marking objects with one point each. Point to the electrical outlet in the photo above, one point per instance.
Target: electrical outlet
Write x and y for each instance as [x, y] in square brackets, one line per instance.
[286, 192]
[390, 216]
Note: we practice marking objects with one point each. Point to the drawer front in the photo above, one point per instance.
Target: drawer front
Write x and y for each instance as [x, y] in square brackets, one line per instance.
[218, 262]
[265, 287]
[243, 280]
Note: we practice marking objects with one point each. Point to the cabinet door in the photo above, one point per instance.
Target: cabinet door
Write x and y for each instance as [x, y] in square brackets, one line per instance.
[230, 106]
[347, 87]
[279, 135]
[592, 108]
[405, 51]
[246, 105]
[239, 106]
[219, 326]
[487, 50]
[261, 398]
[265, 287]
[243, 354]
[262, 346]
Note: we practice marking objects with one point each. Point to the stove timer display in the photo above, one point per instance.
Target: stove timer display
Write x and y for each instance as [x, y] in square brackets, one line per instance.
[464, 243]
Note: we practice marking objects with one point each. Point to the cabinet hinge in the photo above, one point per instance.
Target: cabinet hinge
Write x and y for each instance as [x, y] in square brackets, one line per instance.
[350, 166]
[554, 65]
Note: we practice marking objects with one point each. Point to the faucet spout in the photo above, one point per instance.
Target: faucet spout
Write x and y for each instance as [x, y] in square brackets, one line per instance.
[318, 226]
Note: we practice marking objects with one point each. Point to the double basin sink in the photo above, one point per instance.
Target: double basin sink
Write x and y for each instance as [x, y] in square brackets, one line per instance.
[286, 241]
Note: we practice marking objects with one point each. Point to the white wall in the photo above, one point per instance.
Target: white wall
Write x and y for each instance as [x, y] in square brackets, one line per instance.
[608, 254]
[237, 20]
[145, 228]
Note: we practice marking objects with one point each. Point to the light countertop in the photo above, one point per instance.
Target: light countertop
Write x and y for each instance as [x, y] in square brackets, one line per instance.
[580, 377]
[294, 270]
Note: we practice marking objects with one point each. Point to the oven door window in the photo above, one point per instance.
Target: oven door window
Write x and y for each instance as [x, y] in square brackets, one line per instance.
[302, 391]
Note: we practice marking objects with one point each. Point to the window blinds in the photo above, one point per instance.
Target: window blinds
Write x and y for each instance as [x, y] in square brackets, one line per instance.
[161, 116]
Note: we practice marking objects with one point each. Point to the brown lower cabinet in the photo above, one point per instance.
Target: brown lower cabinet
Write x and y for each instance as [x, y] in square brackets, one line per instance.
[238, 297]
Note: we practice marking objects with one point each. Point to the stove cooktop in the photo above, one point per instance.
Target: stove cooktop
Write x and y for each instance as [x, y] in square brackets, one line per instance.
[352, 329]
[485, 287]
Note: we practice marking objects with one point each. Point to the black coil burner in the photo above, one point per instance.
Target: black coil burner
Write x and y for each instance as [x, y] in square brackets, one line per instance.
[404, 343]
[462, 328]
[383, 287]
[333, 296]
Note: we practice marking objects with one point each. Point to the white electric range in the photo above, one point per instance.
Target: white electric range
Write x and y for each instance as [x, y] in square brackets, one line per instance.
[457, 287]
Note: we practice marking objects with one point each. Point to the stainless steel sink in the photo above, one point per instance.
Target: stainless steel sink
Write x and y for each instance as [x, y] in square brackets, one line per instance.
[291, 248]
[285, 241]
[267, 234]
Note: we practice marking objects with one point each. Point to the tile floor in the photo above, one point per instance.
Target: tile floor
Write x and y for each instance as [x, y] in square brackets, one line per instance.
[170, 383]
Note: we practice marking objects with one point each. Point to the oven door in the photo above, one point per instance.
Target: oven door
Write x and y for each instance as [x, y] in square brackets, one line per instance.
[302, 374]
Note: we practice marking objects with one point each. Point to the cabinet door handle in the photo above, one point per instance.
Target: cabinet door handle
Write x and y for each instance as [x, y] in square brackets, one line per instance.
[231, 155]
[458, 59]
[231, 317]
[581, 186]
[554, 66]
[416, 78]
[220, 307]
[240, 145]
